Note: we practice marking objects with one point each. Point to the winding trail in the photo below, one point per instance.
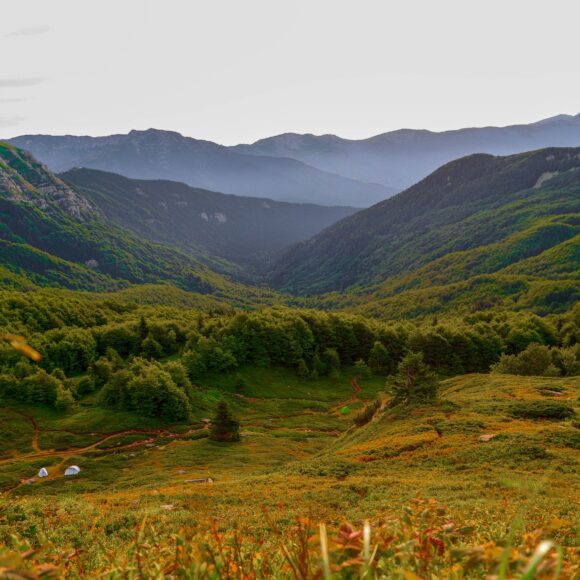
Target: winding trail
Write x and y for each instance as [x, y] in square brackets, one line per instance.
[76, 450]
[34, 425]
[40, 454]
[356, 388]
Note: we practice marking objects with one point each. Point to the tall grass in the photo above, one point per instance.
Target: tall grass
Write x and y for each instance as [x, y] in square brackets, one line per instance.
[422, 542]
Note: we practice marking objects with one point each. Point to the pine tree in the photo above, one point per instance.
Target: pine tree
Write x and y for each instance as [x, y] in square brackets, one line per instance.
[224, 427]
[414, 381]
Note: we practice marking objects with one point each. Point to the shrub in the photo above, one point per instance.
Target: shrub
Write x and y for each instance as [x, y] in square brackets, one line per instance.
[361, 368]
[331, 362]
[540, 360]
[101, 371]
[325, 467]
[149, 389]
[567, 360]
[240, 385]
[302, 369]
[40, 388]
[9, 386]
[151, 349]
[535, 360]
[541, 410]
[85, 386]
[193, 362]
[379, 358]
[366, 415]
[154, 394]
[565, 439]
[64, 399]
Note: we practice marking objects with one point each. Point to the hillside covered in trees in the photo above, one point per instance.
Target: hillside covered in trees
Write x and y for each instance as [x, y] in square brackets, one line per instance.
[126, 353]
[477, 215]
[249, 231]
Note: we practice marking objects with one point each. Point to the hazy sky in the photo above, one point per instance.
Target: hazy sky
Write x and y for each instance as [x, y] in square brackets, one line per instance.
[237, 70]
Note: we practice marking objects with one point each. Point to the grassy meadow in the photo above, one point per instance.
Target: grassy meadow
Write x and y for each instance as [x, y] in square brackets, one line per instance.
[292, 497]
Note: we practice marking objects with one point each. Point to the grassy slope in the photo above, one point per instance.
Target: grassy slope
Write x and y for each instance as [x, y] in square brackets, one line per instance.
[533, 268]
[299, 455]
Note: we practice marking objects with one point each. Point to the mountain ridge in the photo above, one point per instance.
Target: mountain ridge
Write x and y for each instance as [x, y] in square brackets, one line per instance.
[49, 246]
[250, 231]
[402, 157]
[156, 154]
[463, 205]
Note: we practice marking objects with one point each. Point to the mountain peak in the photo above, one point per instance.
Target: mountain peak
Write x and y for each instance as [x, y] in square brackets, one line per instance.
[154, 133]
[563, 118]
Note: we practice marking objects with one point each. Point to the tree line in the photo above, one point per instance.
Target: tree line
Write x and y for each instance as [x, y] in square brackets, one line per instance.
[152, 359]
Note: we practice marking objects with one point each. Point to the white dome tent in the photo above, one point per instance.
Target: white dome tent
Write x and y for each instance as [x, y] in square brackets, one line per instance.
[43, 472]
[72, 470]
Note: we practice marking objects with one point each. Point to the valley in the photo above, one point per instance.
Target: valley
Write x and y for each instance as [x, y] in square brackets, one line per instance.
[253, 388]
[289, 290]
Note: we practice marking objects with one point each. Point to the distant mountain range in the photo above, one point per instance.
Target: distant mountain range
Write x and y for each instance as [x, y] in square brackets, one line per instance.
[479, 230]
[91, 230]
[154, 154]
[477, 216]
[246, 230]
[401, 158]
[325, 170]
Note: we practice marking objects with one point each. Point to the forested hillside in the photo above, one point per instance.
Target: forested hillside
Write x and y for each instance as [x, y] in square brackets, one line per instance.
[480, 215]
[52, 235]
[93, 349]
[249, 231]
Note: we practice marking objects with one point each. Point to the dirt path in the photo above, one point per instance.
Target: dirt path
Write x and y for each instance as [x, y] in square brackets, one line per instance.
[92, 446]
[33, 424]
[356, 388]
[40, 454]
[64, 452]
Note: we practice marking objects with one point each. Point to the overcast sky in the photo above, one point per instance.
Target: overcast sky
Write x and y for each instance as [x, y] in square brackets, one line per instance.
[235, 71]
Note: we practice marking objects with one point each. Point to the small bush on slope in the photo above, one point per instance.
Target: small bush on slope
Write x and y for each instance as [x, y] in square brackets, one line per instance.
[541, 410]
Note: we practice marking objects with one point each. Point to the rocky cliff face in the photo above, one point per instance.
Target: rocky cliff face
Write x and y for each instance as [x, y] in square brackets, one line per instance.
[23, 179]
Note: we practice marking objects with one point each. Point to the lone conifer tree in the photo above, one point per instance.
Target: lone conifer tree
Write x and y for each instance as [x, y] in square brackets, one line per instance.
[414, 381]
[224, 427]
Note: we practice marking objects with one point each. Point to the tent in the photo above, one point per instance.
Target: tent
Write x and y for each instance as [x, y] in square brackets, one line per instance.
[43, 472]
[72, 470]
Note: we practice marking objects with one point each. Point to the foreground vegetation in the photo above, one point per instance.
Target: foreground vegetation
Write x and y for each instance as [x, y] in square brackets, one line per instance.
[302, 462]
[459, 473]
